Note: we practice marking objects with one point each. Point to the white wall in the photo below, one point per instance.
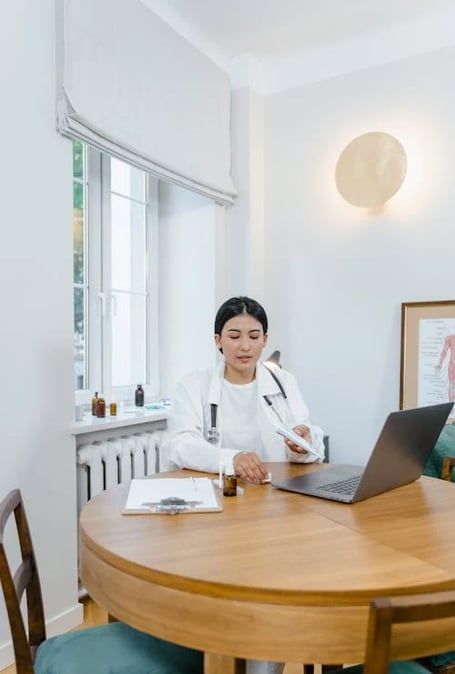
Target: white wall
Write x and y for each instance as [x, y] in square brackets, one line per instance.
[245, 220]
[36, 396]
[336, 275]
[188, 280]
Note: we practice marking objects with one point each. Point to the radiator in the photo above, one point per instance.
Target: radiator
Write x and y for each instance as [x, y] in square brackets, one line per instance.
[103, 464]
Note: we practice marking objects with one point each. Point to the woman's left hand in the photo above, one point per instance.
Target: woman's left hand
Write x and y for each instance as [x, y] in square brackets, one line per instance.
[249, 466]
[304, 432]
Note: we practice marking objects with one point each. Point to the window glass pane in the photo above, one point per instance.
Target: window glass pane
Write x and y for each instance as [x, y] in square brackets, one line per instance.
[78, 195]
[79, 292]
[78, 244]
[128, 340]
[78, 160]
[127, 180]
[128, 245]
[80, 341]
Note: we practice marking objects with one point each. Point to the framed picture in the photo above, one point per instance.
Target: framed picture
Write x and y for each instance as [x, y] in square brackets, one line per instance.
[427, 353]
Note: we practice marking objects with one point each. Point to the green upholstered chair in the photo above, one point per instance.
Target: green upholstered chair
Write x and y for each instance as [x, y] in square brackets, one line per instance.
[441, 464]
[444, 663]
[386, 612]
[115, 648]
[442, 459]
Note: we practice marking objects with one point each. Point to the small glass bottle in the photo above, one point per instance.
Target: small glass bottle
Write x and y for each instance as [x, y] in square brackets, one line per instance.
[139, 396]
[113, 409]
[94, 403]
[229, 485]
[101, 407]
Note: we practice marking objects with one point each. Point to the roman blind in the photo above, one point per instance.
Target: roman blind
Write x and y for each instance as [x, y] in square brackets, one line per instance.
[131, 86]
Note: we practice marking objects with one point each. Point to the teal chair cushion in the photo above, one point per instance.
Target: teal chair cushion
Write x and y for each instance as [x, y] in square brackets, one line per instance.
[115, 648]
[445, 446]
[398, 667]
[442, 659]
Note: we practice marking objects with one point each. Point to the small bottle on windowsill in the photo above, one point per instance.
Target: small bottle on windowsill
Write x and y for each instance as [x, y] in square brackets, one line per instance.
[139, 396]
[101, 407]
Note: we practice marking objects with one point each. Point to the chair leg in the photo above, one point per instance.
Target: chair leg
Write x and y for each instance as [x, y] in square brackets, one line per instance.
[325, 669]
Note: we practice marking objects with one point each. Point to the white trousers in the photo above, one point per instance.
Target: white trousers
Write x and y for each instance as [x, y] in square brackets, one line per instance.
[264, 667]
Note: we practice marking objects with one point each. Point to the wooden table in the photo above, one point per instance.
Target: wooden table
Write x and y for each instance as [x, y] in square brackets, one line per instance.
[275, 576]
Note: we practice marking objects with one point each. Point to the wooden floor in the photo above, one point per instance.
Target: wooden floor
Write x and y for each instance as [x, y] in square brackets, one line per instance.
[95, 615]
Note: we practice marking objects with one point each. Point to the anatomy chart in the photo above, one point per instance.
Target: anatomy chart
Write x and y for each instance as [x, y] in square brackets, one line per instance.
[436, 361]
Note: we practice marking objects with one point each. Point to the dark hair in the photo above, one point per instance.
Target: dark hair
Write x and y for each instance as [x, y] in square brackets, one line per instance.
[236, 306]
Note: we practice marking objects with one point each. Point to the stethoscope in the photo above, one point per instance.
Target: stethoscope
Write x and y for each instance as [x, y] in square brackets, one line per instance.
[212, 434]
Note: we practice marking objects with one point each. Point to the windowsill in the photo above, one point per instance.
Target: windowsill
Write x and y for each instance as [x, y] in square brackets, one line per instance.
[127, 417]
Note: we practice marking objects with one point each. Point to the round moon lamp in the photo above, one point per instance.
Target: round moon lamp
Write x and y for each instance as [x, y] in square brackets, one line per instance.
[371, 169]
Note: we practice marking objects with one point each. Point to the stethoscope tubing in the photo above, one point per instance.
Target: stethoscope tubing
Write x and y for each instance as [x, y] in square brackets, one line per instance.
[277, 381]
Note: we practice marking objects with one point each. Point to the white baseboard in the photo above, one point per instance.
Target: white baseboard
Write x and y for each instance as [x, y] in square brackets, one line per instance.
[62, 623]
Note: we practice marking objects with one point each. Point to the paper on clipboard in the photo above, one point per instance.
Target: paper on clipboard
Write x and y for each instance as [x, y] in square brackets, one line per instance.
[145, 495]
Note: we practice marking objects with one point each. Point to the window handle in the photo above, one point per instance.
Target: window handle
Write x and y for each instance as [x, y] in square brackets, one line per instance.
[102, 303]
[113, 301]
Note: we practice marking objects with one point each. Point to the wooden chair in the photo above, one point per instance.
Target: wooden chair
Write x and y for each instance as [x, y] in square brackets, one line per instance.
[448, 463]
[114, 648]
[442, 459]
[386, 612]
[325, 669]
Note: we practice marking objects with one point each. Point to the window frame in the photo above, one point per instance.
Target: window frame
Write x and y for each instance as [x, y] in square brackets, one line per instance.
[99, 298]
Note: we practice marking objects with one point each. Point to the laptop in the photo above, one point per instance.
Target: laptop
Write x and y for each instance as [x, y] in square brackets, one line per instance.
[399, 456]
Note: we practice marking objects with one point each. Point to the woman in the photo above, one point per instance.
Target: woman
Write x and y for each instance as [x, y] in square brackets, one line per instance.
[227, 417]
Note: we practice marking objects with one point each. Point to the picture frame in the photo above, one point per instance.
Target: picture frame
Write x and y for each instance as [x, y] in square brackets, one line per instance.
[427, 368]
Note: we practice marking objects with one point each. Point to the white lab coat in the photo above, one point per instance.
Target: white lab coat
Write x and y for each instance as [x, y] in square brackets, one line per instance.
[190, 418]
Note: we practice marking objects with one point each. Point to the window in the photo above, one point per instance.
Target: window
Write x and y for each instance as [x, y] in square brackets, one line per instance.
[114, 236]
[79, 257]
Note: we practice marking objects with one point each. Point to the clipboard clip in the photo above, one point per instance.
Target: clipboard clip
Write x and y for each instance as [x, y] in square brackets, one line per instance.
[172, 505]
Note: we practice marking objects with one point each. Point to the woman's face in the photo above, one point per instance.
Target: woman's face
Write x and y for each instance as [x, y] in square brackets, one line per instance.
[242, 340]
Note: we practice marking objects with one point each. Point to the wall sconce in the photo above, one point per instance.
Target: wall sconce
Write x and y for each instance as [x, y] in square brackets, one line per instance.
[273, 360]
[371, 169]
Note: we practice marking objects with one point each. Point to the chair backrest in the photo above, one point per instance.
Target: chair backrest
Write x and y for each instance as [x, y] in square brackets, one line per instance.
[441, 461]
[25, 579]
[448, 464]
[386, 612]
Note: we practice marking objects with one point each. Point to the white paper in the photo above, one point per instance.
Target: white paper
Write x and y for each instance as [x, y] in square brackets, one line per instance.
[195, 490]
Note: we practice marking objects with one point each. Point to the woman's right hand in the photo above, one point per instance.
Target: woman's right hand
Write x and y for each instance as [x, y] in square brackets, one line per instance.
[249, 466]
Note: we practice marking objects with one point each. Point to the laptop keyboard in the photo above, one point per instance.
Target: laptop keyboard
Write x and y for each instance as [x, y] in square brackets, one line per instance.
[343, 486]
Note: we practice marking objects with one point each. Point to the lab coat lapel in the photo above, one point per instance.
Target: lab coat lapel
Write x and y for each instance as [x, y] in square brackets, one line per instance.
[214, 392]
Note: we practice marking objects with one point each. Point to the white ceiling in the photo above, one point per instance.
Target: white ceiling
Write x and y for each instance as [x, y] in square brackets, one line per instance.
[270, 30]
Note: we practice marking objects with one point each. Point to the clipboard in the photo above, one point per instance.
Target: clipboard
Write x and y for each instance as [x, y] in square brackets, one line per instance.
[171, 496]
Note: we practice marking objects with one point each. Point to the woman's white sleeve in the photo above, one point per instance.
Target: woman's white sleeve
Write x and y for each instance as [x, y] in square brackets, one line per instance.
[301, 415]
[186, 446]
